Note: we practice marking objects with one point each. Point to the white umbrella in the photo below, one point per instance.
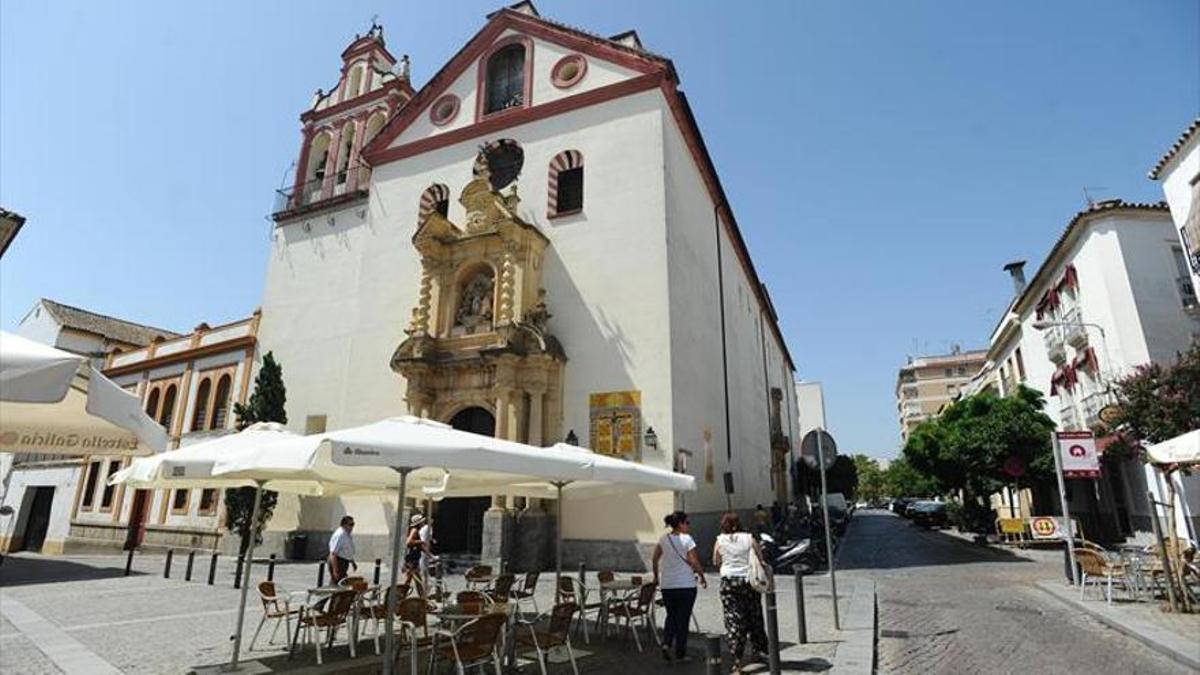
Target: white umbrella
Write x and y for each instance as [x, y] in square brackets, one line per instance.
[195, 466]
[52, 401]
[600, 475]
[415, 447]
[1183, 449]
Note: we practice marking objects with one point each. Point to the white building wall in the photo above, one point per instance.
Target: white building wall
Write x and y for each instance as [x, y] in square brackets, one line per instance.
[20, 494]
[1178, 177]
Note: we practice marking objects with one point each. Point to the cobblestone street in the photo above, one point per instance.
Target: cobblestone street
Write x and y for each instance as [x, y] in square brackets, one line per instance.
[948, 606]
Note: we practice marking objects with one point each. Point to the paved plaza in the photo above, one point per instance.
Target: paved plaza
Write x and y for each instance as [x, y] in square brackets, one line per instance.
[143, 623]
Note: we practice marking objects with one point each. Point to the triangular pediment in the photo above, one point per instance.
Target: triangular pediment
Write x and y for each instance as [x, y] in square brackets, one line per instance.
[565, 63]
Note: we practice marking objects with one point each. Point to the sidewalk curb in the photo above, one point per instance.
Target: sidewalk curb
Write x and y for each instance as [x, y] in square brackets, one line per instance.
[1170, 645]
[856, 654]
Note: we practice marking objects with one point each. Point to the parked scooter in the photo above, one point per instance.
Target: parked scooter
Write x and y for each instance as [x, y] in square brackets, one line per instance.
[782, 556]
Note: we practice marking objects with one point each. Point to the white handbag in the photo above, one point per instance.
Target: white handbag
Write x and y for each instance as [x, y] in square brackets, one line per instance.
[759, 579]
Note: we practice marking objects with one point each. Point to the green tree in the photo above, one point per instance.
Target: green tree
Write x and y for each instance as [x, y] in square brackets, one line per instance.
[976, 441]
[871, 485]
[1157, 402]
[900, 479]
[842, 476]
[266, 404]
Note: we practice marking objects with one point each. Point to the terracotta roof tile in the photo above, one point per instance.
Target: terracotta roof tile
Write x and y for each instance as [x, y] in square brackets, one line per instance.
[112, 328]
[1183, 139]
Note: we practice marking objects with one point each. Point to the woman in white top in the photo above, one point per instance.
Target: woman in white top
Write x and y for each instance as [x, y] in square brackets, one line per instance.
[680, 567]
[741, 603]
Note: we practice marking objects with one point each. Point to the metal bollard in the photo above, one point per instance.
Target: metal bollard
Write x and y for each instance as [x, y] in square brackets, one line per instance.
[801, 618]
[582, 574]
[212, 569]
[772, 629]
[167, 568]
[378, 562]
[271, 568]
[237, 575]
[712, 655]
[187, 576]
[129, 562]
[321, 574]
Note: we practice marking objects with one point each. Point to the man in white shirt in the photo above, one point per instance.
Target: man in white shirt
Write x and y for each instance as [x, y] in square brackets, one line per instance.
[341, 551]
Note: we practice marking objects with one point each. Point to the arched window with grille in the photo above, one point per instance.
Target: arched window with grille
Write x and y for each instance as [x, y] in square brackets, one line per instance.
[505, 81]
[565, 183]
[201, 408]
[167, 414]
[436, 197]
[221, 403]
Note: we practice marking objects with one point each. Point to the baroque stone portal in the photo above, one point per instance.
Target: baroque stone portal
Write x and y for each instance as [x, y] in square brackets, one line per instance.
[479, 333]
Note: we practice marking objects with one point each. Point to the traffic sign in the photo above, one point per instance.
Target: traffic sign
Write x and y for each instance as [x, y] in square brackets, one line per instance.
[1079, 458]
[809, 451]
[1045, 527]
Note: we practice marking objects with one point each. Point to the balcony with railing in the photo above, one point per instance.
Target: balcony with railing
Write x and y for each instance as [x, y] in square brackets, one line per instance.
[1092, 404]
[1067, 416]
[1055, 346]
[1074, 332]
[349, 183]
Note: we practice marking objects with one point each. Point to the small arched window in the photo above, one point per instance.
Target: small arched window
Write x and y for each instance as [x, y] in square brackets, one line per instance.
[505, 79]
[353, 83]
[167, 413]
[436, 197]
[347, 147]
[565, 183]
[221, 403]
[152, 403]
[318, 155]
[201, 413]
[374, 124]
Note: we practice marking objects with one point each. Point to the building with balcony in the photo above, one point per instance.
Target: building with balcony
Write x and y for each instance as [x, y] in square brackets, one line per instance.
[40, 488]
[926, 383]
[1179, 172]
[510, 274]
[1104, 301]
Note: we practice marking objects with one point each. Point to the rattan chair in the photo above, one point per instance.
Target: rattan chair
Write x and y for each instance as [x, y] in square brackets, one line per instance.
[274, 609]
[329, 615]
[501, 588]
[1101, 570]
[527, 590]
[570, 590]
[637, 606]
[556, 634]
[474, 644]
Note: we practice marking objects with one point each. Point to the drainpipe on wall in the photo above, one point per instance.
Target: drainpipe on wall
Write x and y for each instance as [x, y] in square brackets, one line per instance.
[724, 339]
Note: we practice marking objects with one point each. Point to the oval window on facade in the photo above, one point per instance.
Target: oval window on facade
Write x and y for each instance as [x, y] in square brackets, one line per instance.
[568, 71]
[444, 110]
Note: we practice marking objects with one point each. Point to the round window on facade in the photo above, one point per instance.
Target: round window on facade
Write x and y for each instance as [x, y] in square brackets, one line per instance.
[444, 110]
[568, 71]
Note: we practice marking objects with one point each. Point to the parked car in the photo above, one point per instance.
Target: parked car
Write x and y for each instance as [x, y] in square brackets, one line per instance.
[930, 514]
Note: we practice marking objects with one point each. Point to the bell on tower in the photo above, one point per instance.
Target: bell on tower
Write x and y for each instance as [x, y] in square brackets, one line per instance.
[340, 121]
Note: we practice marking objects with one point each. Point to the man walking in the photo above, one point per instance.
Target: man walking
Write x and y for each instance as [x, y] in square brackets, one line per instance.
[341, 551]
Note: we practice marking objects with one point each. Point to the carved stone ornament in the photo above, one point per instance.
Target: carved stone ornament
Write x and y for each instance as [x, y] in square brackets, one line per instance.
[475, 302]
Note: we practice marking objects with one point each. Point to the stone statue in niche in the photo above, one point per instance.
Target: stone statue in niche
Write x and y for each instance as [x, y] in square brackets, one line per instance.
[475, 302]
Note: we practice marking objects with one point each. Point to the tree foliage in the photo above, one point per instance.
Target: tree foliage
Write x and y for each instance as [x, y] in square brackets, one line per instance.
[902, 480]
[842, 477]
[975, 441]
[266, 404]
[1158, 402]
[871, 484]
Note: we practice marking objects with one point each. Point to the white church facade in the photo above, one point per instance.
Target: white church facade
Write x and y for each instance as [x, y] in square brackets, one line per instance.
[534, 244]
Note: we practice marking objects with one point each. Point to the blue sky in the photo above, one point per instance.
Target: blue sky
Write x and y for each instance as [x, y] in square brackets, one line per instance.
[885, 159]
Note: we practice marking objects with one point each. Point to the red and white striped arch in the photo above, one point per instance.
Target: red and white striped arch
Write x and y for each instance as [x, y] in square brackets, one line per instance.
[429, 199]
[567, 159]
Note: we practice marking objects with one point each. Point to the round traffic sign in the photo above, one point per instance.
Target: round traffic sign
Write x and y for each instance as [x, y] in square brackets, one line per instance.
[810, 453]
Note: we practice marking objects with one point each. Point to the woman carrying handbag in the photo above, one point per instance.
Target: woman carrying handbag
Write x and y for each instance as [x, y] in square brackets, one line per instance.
[742, 569]
[681, 569]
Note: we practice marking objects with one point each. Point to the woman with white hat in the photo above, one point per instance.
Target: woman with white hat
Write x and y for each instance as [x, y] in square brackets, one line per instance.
[414, 548]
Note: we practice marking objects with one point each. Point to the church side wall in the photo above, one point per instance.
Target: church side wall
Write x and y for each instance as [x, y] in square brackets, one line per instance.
[697, 379]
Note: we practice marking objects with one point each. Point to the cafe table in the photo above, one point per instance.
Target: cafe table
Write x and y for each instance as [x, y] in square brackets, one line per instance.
[310, 598]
